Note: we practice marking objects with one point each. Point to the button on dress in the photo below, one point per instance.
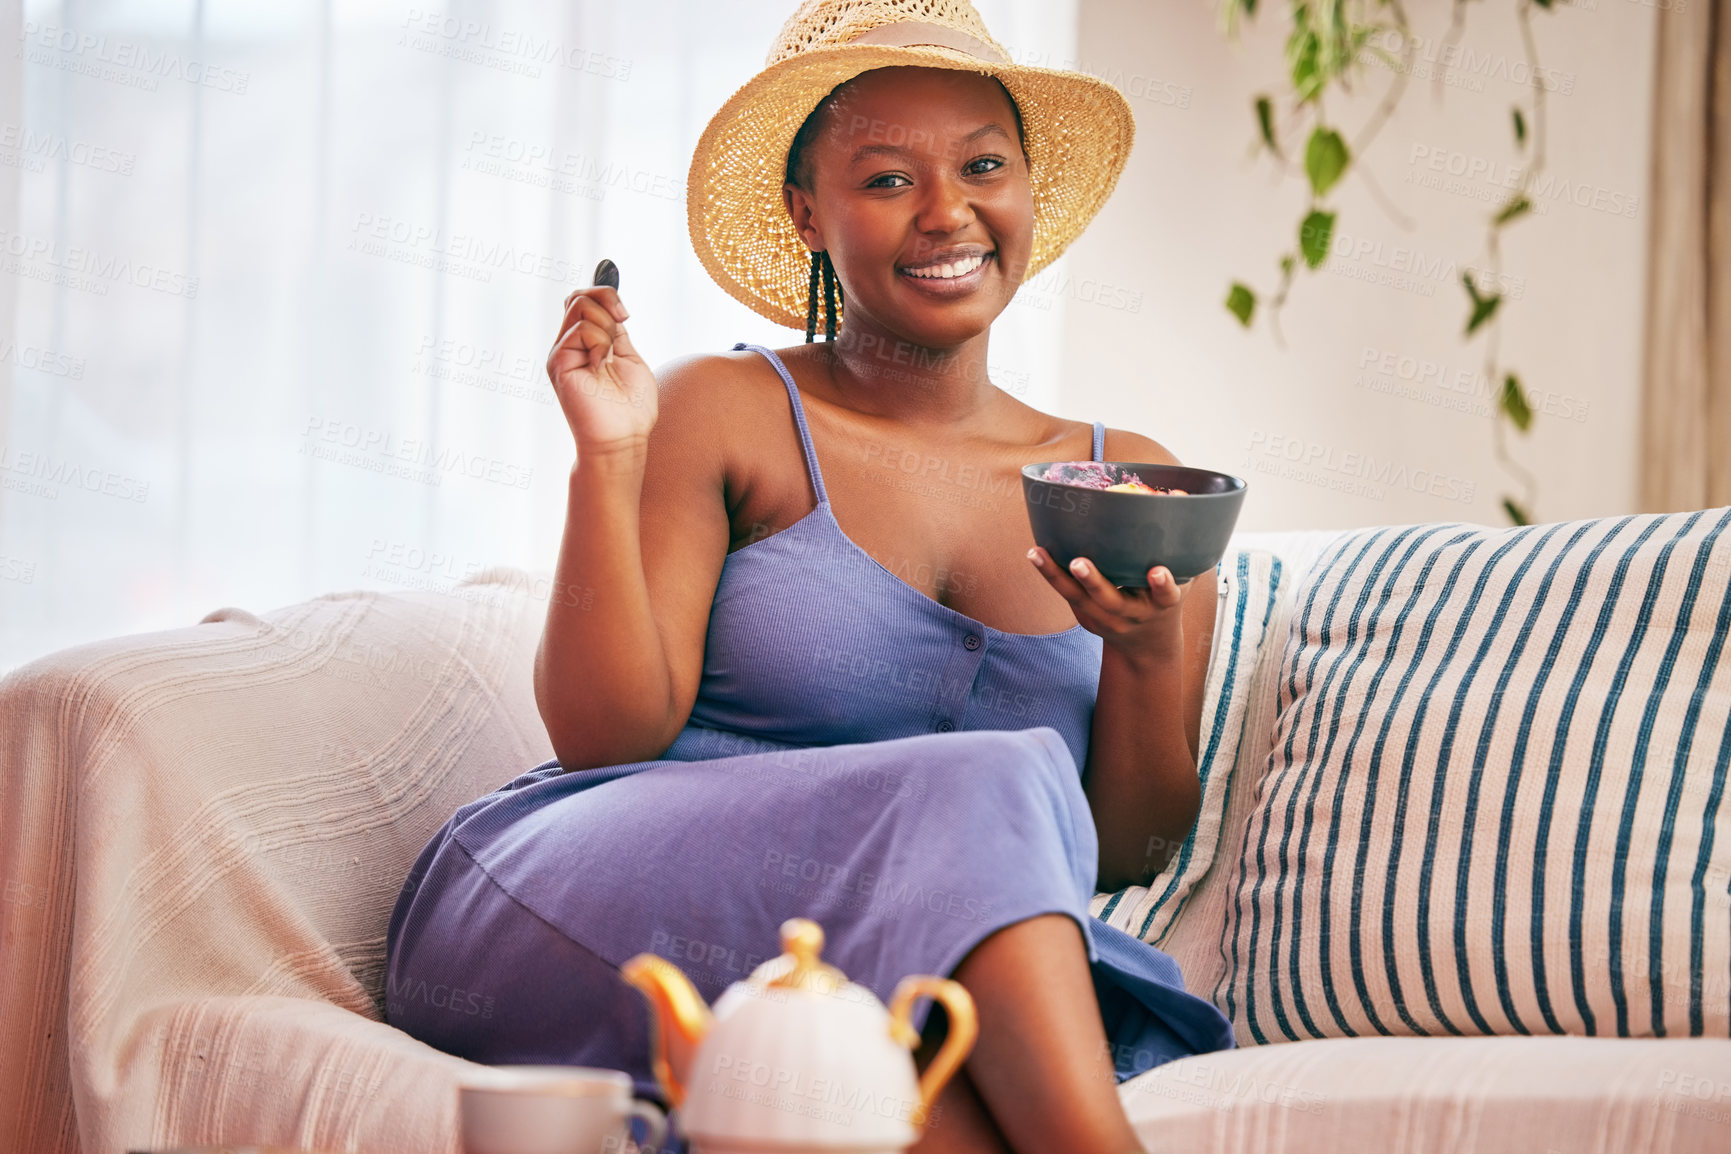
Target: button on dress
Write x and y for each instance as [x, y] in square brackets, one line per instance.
[858, 754]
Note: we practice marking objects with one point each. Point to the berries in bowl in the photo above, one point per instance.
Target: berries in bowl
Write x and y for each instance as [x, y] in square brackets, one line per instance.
[1129, 516]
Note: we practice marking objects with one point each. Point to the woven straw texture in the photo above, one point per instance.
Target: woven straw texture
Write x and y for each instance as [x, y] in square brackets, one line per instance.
[1079, 130]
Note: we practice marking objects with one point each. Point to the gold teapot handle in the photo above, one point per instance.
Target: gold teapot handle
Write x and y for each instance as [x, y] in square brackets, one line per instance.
[958, 1041]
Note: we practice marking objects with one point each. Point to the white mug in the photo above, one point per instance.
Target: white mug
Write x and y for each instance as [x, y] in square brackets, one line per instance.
[553, 1110]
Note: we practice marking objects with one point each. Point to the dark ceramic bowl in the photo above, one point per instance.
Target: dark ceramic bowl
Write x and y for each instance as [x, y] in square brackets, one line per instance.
[1127, 534]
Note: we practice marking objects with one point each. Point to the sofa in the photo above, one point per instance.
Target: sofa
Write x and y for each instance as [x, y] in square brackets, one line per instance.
[203, 831]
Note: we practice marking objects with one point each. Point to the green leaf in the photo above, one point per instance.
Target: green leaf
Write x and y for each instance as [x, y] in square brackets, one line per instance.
[1483, 306]
[1325, 160]
[1516, 514]
[1286, 263]
[1302, 50]
[1265, 122]
[1520, 127]
[1545, 4]
[1514, 404]
[1519, 206]
[1231, 12]
[1314, 235]
[1241, 303]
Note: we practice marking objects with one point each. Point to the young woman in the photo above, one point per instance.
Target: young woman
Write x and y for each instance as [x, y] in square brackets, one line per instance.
[822, 672]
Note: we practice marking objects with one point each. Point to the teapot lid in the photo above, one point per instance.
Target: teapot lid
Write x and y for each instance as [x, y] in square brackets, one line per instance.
[798, 967]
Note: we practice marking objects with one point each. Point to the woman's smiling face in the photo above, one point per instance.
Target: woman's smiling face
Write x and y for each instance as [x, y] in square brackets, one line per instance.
[917, 186]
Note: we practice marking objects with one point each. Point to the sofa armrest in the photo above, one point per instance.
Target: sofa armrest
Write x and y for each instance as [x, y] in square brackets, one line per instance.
[276, 1071]
[228, 810]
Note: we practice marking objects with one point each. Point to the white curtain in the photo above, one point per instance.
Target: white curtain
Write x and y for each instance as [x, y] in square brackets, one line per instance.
[279, 281]
[1686, 390]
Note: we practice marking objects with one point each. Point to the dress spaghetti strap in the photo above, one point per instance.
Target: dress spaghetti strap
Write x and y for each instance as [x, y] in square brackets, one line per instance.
[805, 445]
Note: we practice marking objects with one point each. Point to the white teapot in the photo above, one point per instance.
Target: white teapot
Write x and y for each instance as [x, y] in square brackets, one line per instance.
[796, 1059]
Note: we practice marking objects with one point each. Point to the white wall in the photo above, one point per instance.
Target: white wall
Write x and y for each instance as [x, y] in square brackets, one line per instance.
[1192, 213]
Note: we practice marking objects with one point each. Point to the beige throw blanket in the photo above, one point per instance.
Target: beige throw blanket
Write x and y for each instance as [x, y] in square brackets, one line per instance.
[202, 834]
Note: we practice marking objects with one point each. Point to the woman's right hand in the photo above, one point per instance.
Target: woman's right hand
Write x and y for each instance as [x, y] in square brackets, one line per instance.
[606, 390]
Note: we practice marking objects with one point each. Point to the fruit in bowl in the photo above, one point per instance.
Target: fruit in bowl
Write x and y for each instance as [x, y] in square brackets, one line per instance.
[1106, 477]
[1102, 510]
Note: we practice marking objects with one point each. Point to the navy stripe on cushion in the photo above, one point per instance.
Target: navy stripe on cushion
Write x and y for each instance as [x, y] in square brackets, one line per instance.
[1249, 583]
[1494, 788]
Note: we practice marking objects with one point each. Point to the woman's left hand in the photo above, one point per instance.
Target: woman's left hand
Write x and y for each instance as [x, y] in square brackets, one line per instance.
[1142, 624]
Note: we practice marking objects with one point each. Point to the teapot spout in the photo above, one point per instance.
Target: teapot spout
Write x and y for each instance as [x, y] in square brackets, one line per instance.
[675, 1005]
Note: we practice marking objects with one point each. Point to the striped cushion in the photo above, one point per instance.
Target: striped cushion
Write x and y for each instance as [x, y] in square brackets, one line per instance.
[1248, 582]
[1496, 778]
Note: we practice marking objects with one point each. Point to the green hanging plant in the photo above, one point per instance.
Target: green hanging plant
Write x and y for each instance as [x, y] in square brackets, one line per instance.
[1325, 53]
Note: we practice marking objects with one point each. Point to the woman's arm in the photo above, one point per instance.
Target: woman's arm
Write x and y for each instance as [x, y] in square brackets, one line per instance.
[646, 530]
[1140, 779]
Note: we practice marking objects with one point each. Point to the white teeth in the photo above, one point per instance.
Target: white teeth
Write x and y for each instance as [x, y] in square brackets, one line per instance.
[949, 271]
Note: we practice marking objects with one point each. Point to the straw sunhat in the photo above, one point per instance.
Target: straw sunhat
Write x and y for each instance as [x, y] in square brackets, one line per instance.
[1078, 130]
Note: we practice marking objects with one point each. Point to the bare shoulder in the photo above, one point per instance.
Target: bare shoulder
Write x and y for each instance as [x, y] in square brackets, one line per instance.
[701, 398]
[1124, 445]
[697, 380]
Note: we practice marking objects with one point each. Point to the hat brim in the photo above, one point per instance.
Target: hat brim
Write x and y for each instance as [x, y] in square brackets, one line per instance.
[1078, 130]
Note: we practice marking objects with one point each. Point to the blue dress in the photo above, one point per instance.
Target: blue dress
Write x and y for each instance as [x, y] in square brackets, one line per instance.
[858, 754]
